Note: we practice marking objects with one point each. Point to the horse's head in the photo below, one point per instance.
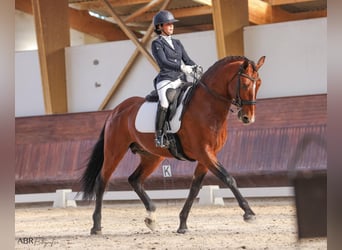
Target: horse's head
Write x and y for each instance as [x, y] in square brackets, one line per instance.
[244, 91]
[234, 80]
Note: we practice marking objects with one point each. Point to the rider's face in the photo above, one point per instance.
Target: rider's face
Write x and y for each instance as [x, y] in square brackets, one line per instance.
[167, 28]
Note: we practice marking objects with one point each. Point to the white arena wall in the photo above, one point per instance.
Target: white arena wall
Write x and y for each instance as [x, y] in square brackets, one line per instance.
[295, 65]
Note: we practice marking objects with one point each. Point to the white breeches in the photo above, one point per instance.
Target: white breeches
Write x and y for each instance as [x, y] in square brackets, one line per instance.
[162, 87]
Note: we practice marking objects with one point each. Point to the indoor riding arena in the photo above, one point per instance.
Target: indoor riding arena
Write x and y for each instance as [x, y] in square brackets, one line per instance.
[76, 61]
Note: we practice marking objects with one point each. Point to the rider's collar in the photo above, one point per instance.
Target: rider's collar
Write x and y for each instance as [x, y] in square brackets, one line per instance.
[167, 38]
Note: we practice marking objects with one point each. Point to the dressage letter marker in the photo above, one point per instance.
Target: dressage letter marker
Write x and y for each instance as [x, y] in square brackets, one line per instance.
[167, 171]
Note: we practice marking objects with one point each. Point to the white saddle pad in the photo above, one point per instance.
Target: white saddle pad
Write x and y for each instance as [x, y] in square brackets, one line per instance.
[145, 120]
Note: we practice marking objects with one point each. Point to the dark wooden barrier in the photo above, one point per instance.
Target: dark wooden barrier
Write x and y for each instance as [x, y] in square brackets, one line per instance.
[51, 150]
[311, 205]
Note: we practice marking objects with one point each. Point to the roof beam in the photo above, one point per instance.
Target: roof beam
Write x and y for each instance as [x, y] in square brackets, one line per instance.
[113, 3]
[178, 13]
[142, 10]
[280, 15]
[80, 20]
[131, 62]
[24, 6]
[260, 12]
[121, 3]
[281, 2]
[194, 28]
[130, 34]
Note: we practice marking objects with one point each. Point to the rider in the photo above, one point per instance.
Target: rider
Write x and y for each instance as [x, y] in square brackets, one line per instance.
[173, 62]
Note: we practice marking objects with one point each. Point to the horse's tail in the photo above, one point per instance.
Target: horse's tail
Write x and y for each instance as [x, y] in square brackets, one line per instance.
[94, 166]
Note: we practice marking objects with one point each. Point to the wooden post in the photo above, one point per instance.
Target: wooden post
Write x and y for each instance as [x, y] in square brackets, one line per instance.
[53, 35]
[229, 17]
[130, 34]
[131, 61]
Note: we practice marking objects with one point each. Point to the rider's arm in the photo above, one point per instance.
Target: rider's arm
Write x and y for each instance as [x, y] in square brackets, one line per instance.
[162, 60]
[185, 57]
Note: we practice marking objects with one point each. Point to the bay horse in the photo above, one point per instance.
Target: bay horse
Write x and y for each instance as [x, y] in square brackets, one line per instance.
[203, 132]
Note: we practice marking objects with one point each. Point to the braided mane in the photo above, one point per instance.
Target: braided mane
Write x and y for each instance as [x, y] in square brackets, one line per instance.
[230, 59]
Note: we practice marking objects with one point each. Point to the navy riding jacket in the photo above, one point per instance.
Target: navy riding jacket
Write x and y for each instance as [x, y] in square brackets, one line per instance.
[169, 59]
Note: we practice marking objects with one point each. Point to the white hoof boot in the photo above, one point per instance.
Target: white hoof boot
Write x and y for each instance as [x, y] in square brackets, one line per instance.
[150, 221]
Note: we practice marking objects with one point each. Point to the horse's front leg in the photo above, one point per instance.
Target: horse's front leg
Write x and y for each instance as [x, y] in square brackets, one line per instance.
[199, 174]
[223, 175]
[100, 188]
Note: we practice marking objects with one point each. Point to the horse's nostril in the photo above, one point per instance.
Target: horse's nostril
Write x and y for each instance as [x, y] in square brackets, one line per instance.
[242, 117]
[245, 119]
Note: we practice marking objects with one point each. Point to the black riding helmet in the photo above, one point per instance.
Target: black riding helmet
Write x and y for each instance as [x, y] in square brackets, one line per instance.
[162, 17]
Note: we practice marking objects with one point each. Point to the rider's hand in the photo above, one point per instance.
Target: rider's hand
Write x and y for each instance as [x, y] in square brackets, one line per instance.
[187, 69]
[198, 69]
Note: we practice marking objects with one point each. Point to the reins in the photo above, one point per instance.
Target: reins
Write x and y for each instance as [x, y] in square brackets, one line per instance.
[213, 93]
[238, 101]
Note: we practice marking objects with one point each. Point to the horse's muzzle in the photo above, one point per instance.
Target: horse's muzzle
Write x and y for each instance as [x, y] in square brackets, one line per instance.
[245, 118]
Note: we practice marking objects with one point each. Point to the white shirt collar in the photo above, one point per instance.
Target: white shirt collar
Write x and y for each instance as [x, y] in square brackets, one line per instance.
[168, 39]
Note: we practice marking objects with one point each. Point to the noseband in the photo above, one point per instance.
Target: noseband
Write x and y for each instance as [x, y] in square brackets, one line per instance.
[237, 101]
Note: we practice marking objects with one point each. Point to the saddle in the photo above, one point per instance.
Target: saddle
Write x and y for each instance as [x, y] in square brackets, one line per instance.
[176, 97]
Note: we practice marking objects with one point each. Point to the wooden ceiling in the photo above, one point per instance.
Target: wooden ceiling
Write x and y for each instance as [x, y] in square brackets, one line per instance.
[194, 15]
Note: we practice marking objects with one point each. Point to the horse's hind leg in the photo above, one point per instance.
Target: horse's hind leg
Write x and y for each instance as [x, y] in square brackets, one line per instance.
[147, 165]
[99, 189]
[111, 160]
[200, 172]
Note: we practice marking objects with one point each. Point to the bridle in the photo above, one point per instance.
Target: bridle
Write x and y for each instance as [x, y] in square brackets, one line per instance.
[237, 101]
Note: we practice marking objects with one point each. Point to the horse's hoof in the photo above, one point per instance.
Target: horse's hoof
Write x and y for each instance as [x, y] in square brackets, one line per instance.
[95, 232]
[249, 217]
[182, 230]
[151, 224]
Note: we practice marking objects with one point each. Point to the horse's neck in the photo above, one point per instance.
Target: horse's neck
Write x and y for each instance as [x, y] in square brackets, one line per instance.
[219, 113]
[213, 109]
[217, 106]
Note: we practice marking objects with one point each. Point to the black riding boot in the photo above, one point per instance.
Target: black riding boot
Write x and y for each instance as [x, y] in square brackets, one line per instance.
[160, 121]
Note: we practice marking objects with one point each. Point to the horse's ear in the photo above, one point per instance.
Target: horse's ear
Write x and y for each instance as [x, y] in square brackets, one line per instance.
[260, 62]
